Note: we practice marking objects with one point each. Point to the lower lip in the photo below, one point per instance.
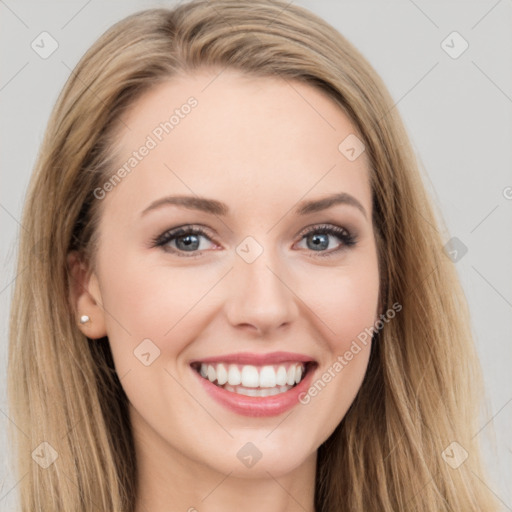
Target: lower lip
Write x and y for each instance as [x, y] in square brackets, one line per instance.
[258, 405]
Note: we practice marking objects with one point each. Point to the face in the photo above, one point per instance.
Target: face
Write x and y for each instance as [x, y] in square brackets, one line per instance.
[247, 280]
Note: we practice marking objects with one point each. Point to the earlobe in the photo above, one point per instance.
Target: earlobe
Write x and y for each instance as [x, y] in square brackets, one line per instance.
[85, 298]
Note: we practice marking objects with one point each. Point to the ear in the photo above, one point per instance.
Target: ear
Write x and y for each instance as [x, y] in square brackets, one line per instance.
[85, 297]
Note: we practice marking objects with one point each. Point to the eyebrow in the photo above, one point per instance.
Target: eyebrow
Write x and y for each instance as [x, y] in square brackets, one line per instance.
[218, 208]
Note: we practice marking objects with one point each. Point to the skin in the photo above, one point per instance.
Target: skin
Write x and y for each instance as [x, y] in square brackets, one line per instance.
[260, 146]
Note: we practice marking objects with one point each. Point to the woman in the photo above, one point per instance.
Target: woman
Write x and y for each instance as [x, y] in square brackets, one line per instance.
[235, 293]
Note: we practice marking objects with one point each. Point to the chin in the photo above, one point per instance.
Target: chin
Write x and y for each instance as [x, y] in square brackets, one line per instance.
[256, 453]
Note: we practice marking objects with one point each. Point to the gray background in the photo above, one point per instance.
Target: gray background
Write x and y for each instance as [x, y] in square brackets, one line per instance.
[458, 112]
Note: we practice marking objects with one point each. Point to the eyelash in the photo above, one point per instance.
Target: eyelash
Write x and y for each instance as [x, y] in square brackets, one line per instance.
[346, 237]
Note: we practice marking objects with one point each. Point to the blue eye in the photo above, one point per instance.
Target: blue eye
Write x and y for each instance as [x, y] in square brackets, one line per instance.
[187, 239]
[319, 236]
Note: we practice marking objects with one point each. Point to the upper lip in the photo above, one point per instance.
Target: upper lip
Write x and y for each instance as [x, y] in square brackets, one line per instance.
[256, 359]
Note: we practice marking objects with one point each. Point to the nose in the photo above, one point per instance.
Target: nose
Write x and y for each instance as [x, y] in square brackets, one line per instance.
[261, 298]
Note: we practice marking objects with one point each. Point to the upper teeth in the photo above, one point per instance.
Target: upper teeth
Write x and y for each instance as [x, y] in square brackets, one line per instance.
[253, 376]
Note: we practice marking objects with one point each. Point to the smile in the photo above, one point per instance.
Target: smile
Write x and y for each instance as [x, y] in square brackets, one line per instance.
[255, 384]
[252, 380]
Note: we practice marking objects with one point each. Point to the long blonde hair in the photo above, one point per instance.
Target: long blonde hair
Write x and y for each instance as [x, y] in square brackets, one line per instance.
[423, 386]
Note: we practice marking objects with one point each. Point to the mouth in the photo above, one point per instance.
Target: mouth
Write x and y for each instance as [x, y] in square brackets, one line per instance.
[254, 380]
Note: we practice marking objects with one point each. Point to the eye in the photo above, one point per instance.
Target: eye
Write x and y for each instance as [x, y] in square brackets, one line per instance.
[317, 239]
[185, 239]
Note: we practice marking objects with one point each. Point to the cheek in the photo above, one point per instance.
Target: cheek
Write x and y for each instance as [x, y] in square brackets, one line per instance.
[344, 299]
[152, 310]
[350, 308]
[149, 300]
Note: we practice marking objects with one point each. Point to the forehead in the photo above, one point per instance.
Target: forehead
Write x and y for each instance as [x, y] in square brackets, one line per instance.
[214, 132]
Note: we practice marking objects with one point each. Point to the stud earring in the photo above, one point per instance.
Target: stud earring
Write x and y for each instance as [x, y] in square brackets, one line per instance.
[84, 319]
